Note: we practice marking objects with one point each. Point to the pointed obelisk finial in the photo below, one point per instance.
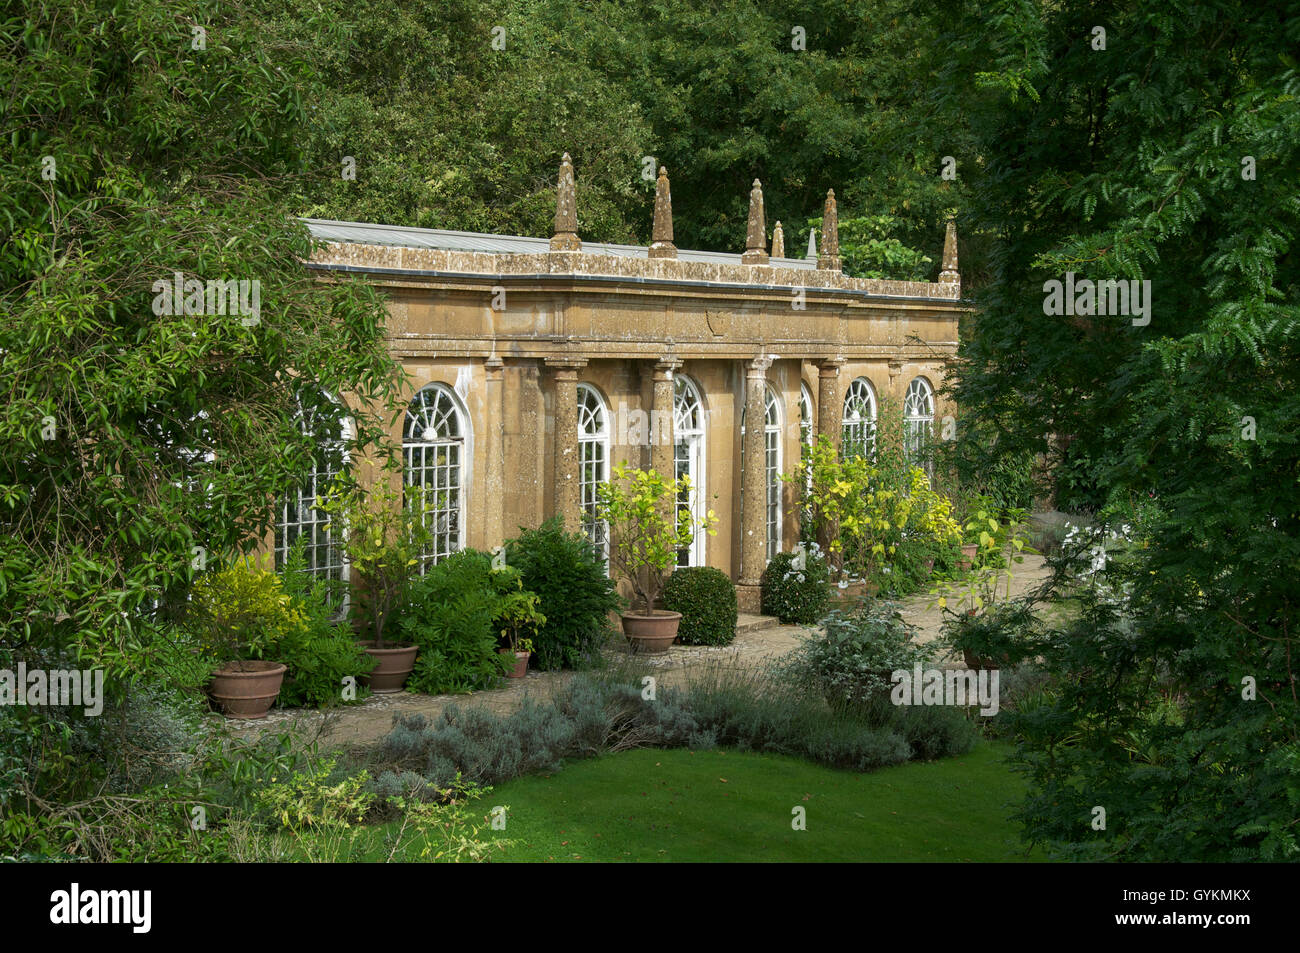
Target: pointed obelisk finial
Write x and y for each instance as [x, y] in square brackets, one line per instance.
[812, 244]
[778, 242]
[661, 241]
[756, 238]
[566, 210]
[829, 258]
[948, 272]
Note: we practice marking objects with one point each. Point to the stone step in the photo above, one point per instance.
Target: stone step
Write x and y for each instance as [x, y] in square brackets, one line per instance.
[745, 622]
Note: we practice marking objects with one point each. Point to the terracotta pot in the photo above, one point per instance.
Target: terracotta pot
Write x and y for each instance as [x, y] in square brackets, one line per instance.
[394, 665]
[651, 634]
[247, 689]
[521, 663]
[977, 662]
[968, 551]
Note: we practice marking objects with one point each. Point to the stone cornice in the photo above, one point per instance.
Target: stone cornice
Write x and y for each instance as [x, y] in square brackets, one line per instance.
[381, 260]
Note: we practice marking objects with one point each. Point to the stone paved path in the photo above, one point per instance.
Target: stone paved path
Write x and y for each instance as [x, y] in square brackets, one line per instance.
[758, 639]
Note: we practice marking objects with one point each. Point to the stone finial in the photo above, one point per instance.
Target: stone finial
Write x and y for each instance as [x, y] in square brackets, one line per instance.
[829, 258]
[661, 241]
[778, 242]
[948, 270]
[812, 244]
[756, 238]
[566, 210]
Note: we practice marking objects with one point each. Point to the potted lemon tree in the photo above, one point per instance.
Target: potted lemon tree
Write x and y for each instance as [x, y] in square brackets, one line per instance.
[241, 614]
[647, 528]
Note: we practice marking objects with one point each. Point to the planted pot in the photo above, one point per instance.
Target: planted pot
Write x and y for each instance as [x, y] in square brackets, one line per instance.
[651, 634]
[521, 663]
[393, 664]
[246, 689]
[968, 552]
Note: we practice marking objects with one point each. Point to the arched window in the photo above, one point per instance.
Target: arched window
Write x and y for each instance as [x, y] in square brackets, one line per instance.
[858, 436]
[297, 518]
[805, 416]
[918, 417]
[772, 462]
[593, 462]
[806, 437]
[434, 446]
[688, 461]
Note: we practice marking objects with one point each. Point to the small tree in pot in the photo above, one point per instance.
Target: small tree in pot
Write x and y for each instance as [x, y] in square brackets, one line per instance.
[385, 538]
[241, 614]
[647, 528]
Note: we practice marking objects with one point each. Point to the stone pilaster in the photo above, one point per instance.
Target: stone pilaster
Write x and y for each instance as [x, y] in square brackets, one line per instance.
[564, 446]
[566, 210]
[494, 452]
[661, 240]
[753, 531]
[756, 235]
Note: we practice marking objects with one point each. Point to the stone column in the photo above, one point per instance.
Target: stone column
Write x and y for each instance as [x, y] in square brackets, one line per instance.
[661, 418]
[830, 416]
[753, 532]
[564, 445]
[495, 484]
[830, 413]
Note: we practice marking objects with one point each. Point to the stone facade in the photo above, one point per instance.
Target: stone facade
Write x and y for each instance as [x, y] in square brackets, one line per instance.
[526, 337]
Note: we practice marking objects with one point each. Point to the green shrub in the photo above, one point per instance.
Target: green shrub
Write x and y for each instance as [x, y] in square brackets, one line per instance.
[796, 595]
[451, 613]
[706, 598]
[322, 654]
[575, 592]
[851, 660]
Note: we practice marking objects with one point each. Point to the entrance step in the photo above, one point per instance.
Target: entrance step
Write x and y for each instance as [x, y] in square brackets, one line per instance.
[746, 623]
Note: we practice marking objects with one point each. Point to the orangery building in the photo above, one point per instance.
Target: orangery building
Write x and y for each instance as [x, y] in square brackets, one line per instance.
[537, 365]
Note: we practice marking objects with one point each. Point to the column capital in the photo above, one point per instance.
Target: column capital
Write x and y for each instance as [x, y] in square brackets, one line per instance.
[665, 366]
[830, 366]
[494, 366]
[757, 368]
[565, 365]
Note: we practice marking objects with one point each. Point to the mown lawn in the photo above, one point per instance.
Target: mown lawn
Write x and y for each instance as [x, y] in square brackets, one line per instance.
[678, 805]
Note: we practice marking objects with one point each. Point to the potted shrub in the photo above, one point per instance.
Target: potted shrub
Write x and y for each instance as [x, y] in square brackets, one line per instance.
[518, 614]
[384, 537]
[647, 529]
[241, 614]
[521, 650]
[995, 638]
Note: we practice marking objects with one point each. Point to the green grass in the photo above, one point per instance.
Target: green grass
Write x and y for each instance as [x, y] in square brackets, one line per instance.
[678, 805]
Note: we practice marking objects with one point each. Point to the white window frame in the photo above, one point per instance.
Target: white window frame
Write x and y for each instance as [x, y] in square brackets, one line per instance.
[858, 422]
[315, 482]
[689, 443]
[433, 404]
[918, 418]
[593, 463]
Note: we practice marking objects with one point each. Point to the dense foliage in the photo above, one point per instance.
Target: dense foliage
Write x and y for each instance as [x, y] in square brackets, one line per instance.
[574, 592]
[1165, 155]
[455, 613]
[706, 598]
